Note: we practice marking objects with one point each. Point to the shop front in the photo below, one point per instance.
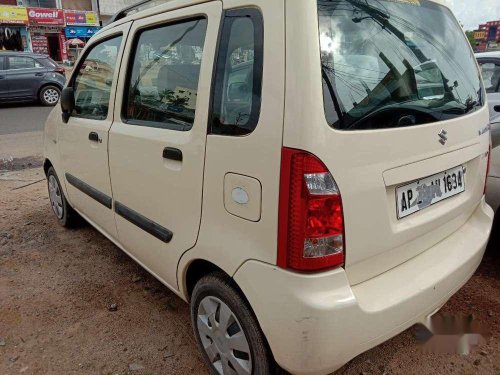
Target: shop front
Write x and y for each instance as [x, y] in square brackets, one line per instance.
[80, 27]
[46, 28]
[13, 33]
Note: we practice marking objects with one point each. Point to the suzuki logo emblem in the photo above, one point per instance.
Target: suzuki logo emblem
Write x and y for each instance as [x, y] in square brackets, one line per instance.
[443, 137]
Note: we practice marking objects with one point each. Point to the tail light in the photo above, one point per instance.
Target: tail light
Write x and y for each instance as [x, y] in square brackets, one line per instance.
[487, 169]
[60, 70]
[311, 222]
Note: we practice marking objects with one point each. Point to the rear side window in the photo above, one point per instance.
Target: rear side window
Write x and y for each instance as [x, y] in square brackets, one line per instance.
[2, 62]
[94, 78]
[238, 77]
[49, 62]
[22, 62]
[491, 76]
[163, 78]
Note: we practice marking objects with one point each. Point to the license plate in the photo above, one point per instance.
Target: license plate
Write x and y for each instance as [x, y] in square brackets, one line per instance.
[423, 193]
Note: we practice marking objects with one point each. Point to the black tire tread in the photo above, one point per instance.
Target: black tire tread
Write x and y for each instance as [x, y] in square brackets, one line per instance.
[40, 95]
[70, 218]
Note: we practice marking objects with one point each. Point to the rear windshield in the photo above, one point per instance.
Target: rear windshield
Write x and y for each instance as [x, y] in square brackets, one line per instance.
[394, 63]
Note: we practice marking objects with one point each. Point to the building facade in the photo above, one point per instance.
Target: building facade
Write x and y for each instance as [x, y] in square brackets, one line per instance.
[487, 36]
[109, 7]
[58, 28]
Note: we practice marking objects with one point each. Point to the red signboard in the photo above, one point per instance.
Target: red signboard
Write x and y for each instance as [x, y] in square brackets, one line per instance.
[40, 44]
[74, 17]
[62, 47]
[45, 16]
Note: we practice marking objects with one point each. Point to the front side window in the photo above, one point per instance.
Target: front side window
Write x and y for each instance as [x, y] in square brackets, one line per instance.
[163, 79]
[394, 63]
[238, 80]
[21, 62]
[491, 76]
[92, 83]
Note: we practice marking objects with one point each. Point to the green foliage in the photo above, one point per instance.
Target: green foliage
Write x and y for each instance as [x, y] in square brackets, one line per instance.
[470, 37]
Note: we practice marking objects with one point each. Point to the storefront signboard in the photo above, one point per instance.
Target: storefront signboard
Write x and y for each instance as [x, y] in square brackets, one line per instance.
[13, 15]
[45, 16]
[77, 17]
[80, 31]
[40, 44]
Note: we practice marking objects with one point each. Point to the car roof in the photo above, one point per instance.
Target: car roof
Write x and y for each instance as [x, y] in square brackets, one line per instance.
[15, 53]
[147, 8]
[494, 54]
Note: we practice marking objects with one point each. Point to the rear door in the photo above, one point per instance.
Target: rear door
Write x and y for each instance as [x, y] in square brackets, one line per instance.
[157, 142]
[23, 75]
[83, 141]
[4, 84]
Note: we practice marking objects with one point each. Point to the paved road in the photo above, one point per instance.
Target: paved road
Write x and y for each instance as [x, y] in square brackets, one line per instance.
[21, 118]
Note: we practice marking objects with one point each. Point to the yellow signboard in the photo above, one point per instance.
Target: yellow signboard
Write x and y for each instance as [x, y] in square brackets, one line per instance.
[13, 15]
[90, 18]
[479, 34]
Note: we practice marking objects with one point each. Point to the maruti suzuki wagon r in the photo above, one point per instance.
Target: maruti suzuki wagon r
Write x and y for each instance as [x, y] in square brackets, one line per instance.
[308, 174]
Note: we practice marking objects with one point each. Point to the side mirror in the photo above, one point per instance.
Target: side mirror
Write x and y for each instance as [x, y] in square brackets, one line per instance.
[497, 108]
[67, 103]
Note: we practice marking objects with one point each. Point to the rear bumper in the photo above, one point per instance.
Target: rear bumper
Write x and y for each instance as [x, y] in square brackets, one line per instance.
[316, 323]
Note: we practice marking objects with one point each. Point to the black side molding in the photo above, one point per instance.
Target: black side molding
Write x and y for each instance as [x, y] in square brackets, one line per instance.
[144, 223]
[90, 191]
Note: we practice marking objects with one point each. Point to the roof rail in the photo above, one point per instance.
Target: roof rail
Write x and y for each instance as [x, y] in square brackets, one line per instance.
[141, 5]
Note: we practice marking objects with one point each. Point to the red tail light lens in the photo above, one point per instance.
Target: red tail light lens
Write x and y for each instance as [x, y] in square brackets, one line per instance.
[311, 224]
[487, 169]
[60, 70]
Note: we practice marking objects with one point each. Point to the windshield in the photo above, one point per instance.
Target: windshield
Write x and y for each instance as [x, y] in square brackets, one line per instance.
[394, 63]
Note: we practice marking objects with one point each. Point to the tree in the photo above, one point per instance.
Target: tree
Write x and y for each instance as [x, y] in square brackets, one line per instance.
[470, 36]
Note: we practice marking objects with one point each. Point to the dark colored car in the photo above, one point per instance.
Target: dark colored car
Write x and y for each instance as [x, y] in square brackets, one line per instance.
[30, 77]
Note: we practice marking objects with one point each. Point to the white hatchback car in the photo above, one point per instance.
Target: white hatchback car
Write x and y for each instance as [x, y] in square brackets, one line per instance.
[308, 174]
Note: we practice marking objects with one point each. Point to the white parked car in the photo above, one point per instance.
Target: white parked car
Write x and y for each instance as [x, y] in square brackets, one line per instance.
[308, 174]
[490, 68]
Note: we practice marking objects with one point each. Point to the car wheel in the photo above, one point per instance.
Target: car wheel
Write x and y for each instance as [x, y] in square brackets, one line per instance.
[49, 95]
[226, 329]
[66, 216]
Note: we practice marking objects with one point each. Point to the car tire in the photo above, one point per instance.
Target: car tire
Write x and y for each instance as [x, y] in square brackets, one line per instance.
[66, 216]
[238, 344]
[50, 95]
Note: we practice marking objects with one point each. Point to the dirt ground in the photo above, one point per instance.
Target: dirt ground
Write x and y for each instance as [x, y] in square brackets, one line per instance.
[57, 286]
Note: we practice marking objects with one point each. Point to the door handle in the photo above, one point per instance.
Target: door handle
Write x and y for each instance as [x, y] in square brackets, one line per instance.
[172, 153]
[39, 74]
[2, 77]
[94, 137]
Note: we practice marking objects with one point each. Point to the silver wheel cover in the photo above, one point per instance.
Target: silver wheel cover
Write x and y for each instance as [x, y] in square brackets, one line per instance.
[223, 338]
[55, 197]
[51, 96]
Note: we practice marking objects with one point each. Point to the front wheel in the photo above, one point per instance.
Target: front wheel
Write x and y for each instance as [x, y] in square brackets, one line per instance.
[49, 95]
[227, 331]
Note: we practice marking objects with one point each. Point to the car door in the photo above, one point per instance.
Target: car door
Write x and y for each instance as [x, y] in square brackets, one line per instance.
[83, 140]
[491, 75]
[4, 85]
[157, 142]
[23, 74]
